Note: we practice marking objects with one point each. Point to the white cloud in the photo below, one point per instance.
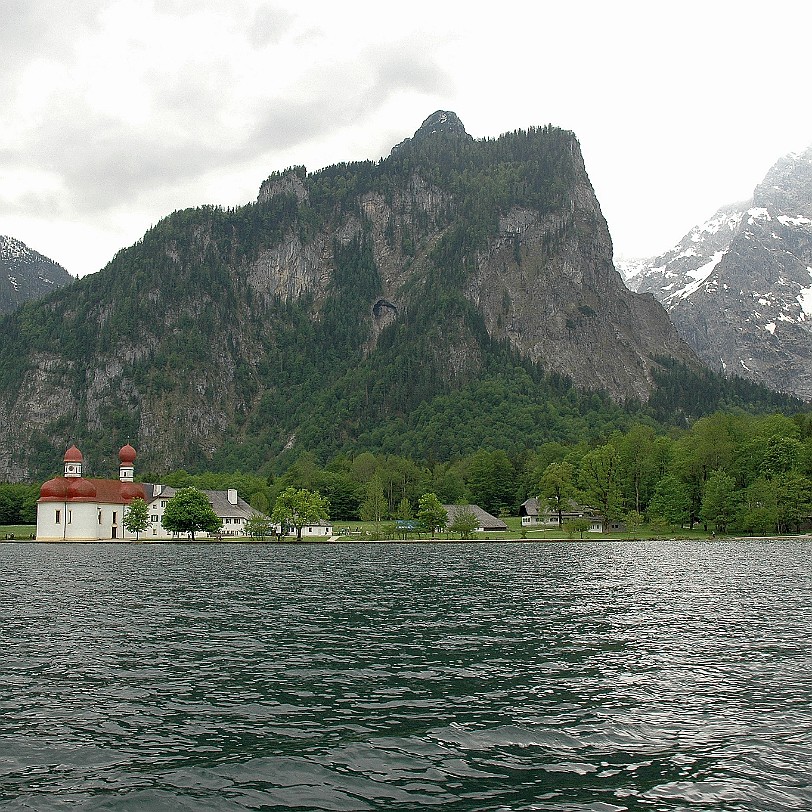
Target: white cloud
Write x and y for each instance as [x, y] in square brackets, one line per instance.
[119, 111]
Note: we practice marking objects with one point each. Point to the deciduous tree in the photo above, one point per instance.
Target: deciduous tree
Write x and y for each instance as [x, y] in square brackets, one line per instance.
[579, 526]
[671, 501]
[464, 522]
[299, 507]
[257, 526]
[557, 488]
[189, 511]
[375, 503]
[136, 517]
[431, 514]
[599, 477]
[719, 500]
[793, 499]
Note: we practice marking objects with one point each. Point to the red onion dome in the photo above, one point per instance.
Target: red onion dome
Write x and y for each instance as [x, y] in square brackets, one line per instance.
[73, 454]
[127, 455]
[130, 491]
[81, 489]
[56, 488]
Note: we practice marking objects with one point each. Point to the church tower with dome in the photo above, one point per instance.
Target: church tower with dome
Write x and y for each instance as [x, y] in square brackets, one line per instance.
[73, 508]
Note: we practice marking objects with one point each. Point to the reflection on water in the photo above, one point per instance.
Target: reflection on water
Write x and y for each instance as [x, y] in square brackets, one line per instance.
[586, 676]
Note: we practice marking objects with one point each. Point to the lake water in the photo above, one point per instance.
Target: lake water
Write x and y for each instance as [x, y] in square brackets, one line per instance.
[593, 676]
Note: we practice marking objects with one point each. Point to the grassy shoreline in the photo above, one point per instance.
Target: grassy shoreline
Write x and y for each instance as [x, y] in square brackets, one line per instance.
[367, 533]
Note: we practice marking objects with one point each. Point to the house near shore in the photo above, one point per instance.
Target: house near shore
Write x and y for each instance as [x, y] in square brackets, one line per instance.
[75, 508]
[534, 514]
[321, 530]
[486, 521]
[232, 511]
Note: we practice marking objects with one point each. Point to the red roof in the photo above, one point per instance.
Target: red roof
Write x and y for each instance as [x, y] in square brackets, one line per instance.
[107, 491]
[79, 488]
[73, 454]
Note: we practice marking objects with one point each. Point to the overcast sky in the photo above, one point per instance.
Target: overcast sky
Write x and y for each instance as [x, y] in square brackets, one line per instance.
[116, 112]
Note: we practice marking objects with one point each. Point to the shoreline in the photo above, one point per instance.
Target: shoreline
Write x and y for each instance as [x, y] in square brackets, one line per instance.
[804, 537]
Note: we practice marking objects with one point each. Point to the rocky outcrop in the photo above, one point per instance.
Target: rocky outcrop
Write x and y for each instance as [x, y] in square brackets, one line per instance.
[442, 122]
[547, 284]
[291, 182]
[739, 287]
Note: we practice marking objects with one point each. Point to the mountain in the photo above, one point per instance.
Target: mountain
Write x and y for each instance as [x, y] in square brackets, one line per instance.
[455, 294]
[739, 287]
[26, 274]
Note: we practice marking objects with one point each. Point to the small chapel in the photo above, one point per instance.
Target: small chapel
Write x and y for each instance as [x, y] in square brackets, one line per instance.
[72, 508]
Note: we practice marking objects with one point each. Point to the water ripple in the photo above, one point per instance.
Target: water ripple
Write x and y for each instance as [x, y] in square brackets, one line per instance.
[593, 676]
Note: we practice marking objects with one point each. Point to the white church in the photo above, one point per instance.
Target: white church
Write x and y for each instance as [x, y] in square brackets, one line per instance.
[73, 508]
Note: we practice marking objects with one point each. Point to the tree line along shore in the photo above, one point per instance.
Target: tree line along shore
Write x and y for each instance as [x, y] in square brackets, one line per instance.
[728, 473]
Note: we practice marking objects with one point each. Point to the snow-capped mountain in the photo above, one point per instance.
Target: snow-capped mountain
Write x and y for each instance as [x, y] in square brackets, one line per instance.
[26, 274]
[739, 287]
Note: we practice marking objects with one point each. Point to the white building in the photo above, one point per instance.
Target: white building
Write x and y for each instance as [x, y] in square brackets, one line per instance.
[536, 515]
[74, 508]
[322, 530]
[232, 511]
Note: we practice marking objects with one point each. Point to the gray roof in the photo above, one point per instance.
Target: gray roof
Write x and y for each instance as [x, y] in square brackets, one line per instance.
[217, 499]
[531, 507]
[485, 519]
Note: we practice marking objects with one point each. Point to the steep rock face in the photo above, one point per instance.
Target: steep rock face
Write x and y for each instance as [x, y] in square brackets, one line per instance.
[26, 274]
[569, 309]
[384, 284]
[739, 287]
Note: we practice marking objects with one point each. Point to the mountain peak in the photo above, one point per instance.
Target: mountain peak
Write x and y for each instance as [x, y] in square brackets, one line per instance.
[787, 187]
[441, 122]
[26, 274]
[739, 287]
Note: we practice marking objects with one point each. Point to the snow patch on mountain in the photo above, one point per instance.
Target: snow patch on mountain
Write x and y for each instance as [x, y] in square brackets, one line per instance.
[699, 275]
[758, 213]
[805, 299]
[799, 221]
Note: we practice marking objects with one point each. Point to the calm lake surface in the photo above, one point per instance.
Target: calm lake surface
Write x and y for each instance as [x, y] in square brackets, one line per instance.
[593, 676]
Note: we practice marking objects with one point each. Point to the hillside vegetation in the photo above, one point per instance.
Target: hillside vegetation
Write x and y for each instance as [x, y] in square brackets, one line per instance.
[456, 295]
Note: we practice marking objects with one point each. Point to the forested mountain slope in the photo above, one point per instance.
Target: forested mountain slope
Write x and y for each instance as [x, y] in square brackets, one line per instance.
[359, 306]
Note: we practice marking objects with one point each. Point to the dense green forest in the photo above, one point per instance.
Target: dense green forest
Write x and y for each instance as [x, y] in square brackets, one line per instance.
[730, 472]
